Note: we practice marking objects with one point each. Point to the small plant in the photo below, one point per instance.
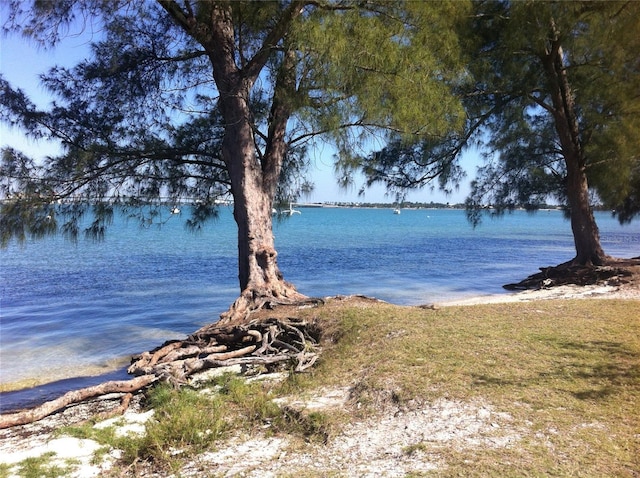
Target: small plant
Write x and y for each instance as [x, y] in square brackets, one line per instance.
[314, 426]
[185, 423]
[416, 447]
[41, 467]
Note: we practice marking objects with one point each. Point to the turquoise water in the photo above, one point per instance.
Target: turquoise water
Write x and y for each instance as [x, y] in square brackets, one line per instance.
[87, 307]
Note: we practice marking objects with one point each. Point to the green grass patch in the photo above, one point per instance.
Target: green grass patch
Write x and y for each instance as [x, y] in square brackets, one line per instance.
[187, 422]
[40, 467]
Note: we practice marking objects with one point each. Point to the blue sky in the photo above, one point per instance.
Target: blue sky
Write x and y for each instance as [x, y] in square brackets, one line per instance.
[21, 62]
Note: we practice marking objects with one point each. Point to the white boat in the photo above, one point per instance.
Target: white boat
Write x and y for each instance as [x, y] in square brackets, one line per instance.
[396, 211]
[290, 211]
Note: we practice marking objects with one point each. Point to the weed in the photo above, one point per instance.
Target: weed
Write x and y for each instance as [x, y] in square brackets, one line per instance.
[41, 467]
[416, 447]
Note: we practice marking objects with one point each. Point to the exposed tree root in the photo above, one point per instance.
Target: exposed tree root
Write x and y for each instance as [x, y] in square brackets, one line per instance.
[75, 396]
[614, 272]
[291, 343]
[265, 342]
[251, 301]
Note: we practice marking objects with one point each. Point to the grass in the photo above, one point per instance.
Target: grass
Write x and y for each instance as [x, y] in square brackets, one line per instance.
[568, 369]
[38, 467]
[188, 422]
[567, 372]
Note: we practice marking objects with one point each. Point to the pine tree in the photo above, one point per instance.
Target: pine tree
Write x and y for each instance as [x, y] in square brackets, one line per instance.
[552, 100]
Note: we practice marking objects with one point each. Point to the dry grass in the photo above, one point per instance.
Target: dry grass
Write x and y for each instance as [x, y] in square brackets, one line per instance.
[567, 371]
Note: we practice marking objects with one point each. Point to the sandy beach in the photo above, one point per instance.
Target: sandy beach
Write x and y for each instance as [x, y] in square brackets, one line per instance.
[559, 292]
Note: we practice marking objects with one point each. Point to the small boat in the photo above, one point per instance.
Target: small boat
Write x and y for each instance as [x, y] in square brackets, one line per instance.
[396, 211]
[285, 212]
[291, 211]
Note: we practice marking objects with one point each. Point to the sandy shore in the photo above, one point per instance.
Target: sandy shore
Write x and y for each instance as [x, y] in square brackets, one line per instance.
[560, 292]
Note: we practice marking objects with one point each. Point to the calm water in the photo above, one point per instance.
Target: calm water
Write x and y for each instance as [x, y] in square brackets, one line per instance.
[69, 310]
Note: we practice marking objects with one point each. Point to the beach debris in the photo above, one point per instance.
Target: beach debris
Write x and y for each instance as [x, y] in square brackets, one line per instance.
[76, 396]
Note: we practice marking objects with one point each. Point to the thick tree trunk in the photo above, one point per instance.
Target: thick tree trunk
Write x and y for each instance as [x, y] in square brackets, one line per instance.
[253, 179]
[586, 235]
[261, 282]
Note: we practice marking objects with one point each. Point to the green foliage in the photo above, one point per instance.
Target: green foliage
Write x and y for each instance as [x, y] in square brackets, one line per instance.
[41, 467]
[387, 69]
[510, 114]
[185, 422]
[390, 66]
[527, 163]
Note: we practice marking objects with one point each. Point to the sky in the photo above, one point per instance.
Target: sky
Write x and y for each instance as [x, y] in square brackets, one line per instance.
[21, 62]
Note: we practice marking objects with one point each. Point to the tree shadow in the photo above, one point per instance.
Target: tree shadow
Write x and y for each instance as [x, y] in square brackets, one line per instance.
[606, 366]
[602, 367]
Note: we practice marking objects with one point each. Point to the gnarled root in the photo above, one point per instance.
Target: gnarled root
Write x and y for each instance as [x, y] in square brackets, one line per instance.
[258, 343]
[613, 272]
[75, 396]
[252, 300]
[269, 343]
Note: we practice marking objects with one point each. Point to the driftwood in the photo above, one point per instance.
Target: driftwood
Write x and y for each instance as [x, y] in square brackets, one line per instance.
[268, 343]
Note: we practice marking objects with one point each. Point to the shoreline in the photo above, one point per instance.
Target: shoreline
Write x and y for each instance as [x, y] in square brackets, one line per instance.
[562, 292]
[629, 291]
[455, 421]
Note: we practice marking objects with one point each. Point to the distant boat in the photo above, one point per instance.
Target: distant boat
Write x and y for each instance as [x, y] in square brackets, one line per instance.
[290, 211]
[396, 211]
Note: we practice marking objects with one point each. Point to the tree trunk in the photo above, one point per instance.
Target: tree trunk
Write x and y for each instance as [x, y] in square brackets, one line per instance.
[586, 235]
[253, 180]
[261, 282]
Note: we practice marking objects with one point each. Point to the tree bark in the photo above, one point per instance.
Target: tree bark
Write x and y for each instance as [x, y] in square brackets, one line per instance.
[253, 179]
[586, 235]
